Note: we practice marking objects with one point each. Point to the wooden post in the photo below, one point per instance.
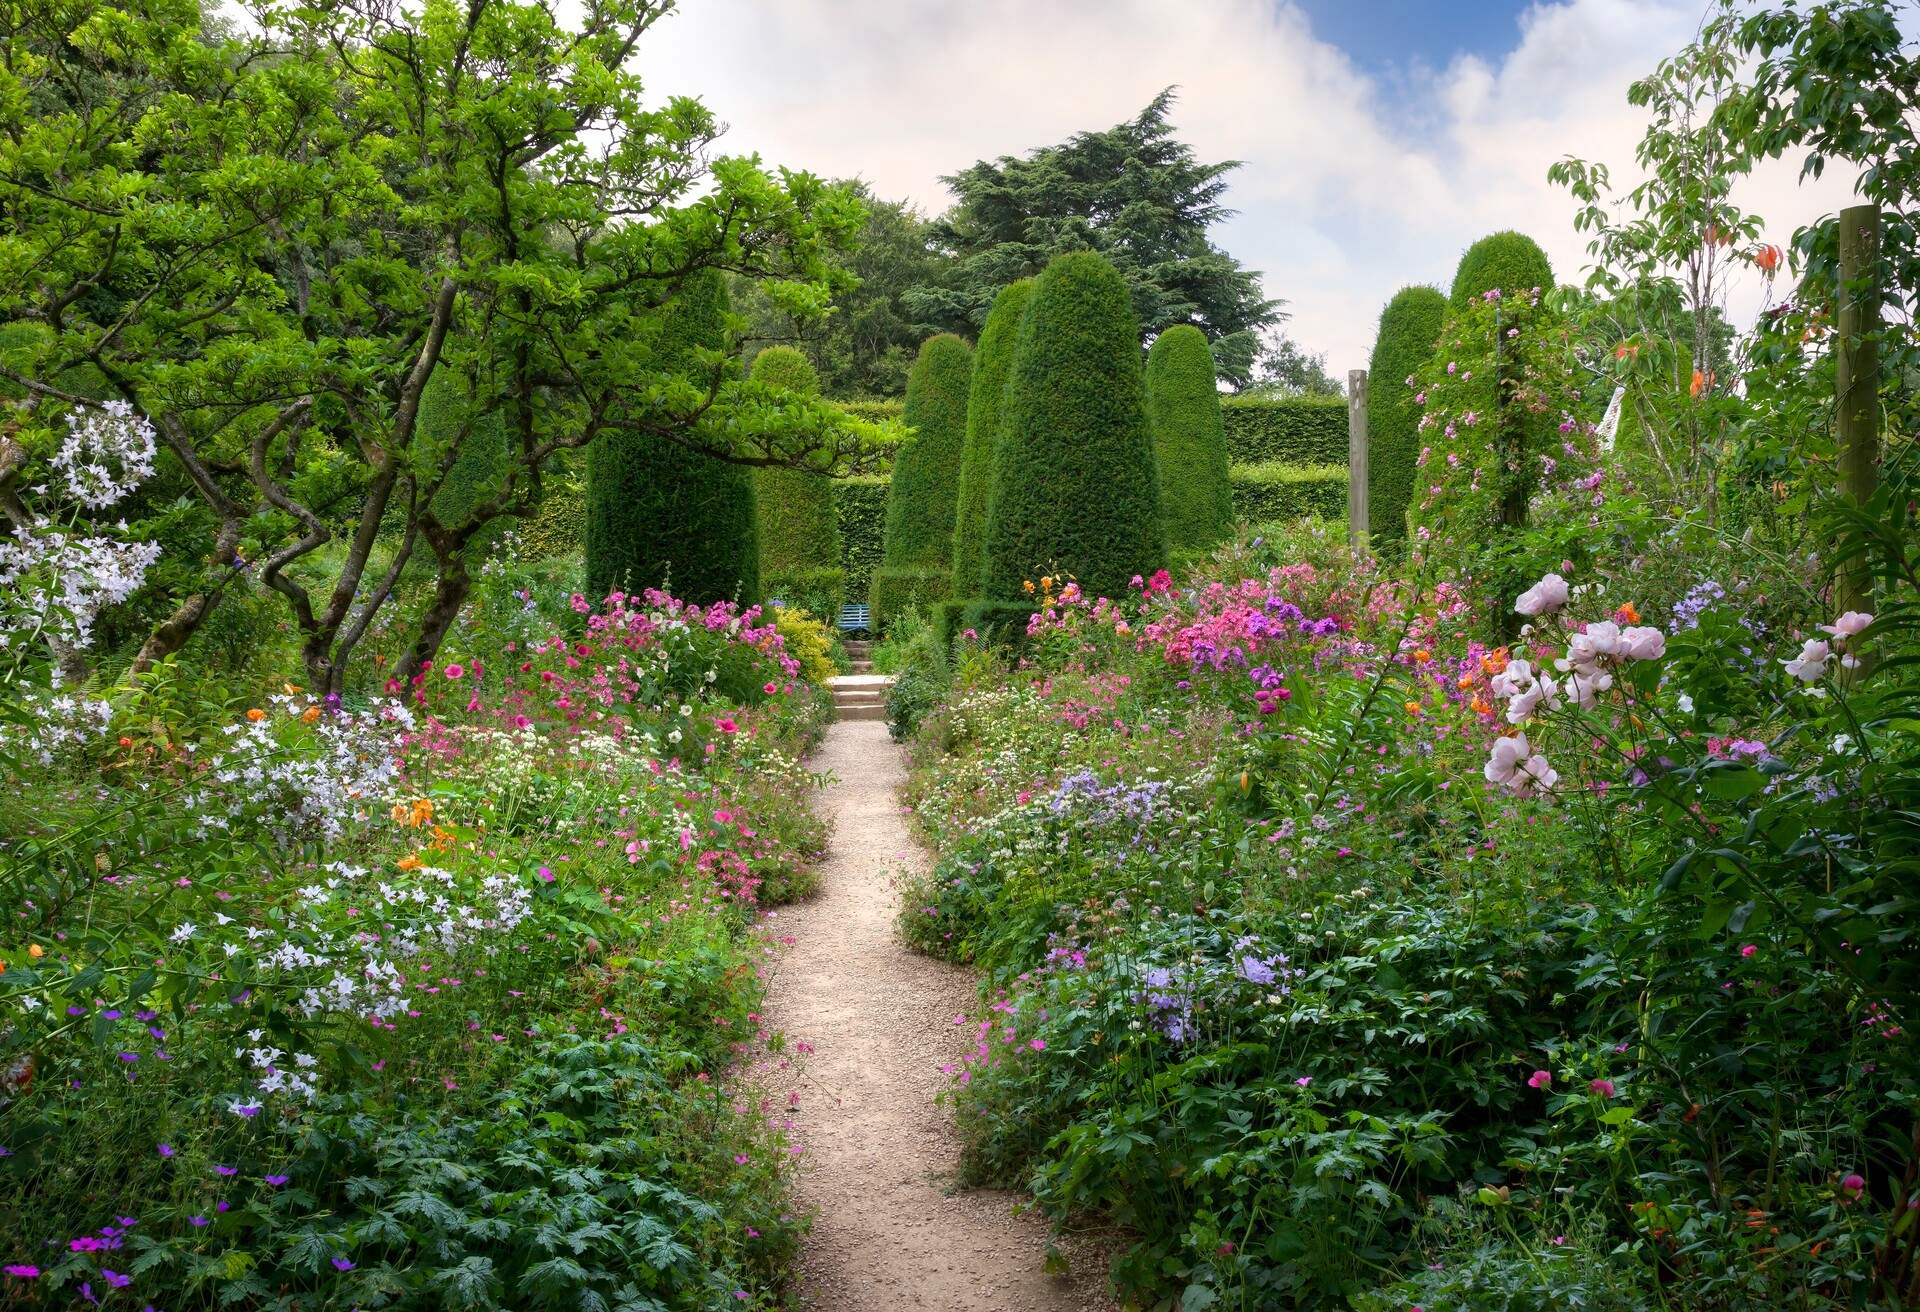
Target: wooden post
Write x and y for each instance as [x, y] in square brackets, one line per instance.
[1856, 377]
[1357, 521]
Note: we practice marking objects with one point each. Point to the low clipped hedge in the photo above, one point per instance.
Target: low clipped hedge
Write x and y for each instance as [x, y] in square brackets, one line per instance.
[898, 588]
[1271, 491]
[1300, 430]
[816, 591]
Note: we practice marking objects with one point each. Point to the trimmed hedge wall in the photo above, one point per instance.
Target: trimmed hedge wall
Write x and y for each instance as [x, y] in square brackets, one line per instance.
[1508, 260]
[1274, 491]
[992, 361]
[1074, 484]
[658, 515]
[1305, 430]
[926, 474]
[1409, 331]
[799, 528]
[860, 504]
[1189, 451]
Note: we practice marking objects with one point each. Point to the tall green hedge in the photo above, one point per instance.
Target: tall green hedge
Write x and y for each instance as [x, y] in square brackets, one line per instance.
[860, 504]
[1189, 446]
[1074, 484]
[1511, 261]
[659, 515]
[1306, 430]
[926, 474]
[481, 461]
[1275, 492]
[799, 530]
[992, 362]
[1409, 331]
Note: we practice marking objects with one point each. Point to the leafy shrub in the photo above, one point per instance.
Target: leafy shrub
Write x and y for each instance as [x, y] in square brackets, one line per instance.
[1183, 409]
[799, 529]
[1301, 430]
[1075, 489]
[661, 516]
[922, 677]
[810, 641]
[817, 591]
[992, 364]
[558, 527]
[1274, 493]
[1510, 262]
[921, 499]
[1409, 333]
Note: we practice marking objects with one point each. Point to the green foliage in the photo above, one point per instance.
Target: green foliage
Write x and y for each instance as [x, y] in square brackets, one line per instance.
[866, 347]
[1189, 450]
[1275, 492]
[921, 500]
[1510, 262]
[923, 675]
[1074, 489]
[799, 529]
[812, 641]
[1133, 193]
[1303, 430]
[896, 589]
[558, 527]
[1409, 331]
[860, 506]
[481, 457]
[661, 516]
[992, 364]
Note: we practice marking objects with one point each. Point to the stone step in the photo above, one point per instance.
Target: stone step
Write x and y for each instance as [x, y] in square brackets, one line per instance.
[873, 711]
[859, 648]
[862, 666]
[859, 699]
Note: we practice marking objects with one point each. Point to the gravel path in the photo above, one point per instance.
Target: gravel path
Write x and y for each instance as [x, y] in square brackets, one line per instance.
[890, 1232]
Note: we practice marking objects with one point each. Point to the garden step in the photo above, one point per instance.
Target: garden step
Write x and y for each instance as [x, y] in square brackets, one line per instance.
[862, 666]
[873, 712]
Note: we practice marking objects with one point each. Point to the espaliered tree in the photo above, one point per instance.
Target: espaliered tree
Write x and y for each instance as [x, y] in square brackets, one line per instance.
[992, 364]
[1409, 332]
[269, 240]
[921, 501]
[659, 515]
[1074, 486]
[1510, 261]
[799, 529]
[1189, 444]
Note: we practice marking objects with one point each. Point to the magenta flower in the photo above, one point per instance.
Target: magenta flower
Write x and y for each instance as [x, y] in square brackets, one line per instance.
[165, 1150]
[1539, 1079]
[23, 1270]
[1748, 949]
[275, 1180]
[1602, 1087]
[1038, 1045]
[1853, 1184]
[342, 1264]
[454, 671]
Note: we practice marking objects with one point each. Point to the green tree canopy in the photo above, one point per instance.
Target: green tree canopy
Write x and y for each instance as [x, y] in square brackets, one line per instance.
[865, 344]
[1074, 484]
[1136, 194]
[660, 515]
[992, 364]
[1189, 445]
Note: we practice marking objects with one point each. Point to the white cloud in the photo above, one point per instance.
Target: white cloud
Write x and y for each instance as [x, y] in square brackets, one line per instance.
[1348, 192]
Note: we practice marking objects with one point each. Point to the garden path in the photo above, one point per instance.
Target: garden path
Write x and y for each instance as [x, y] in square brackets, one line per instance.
[891, 1231]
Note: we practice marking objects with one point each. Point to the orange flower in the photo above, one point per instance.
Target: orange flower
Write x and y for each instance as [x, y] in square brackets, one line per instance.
[256, 715]
[1494, 661]
[1481, 706]
[1466, 680]
[309, 715]
[1422, 656]
[409, 862]
[1028, 585]
[1701, 382]
[1768, 259]
[1413, 708]
[35, 951]
[1627, 614]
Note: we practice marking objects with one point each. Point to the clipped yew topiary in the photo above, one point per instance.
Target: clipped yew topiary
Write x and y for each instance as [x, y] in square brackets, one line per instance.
[1511, 261]
[1189, 445]
[1409, 330]
[922, 499]
[659, 515]
[992, 362]
[1074, 486]
[799, 527]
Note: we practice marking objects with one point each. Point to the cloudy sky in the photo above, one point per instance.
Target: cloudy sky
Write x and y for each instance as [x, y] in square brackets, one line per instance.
[1379, 136]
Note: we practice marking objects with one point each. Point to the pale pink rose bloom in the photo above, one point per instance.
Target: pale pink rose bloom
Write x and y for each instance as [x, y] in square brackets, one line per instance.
[1643, 644]
[1544, 597]
[1849, 625]
[1810, 666]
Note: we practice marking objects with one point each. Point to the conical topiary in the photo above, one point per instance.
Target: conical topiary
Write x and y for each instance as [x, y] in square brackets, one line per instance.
[1409, 330]
[992, 363]
[1074, 485]
[799, 529]
[659, 515]
[926, 473]
[1189, 446]
[1511, 261]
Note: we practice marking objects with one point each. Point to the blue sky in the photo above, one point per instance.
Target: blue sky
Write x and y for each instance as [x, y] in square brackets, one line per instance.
[1386, 37]
[1380, 137]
